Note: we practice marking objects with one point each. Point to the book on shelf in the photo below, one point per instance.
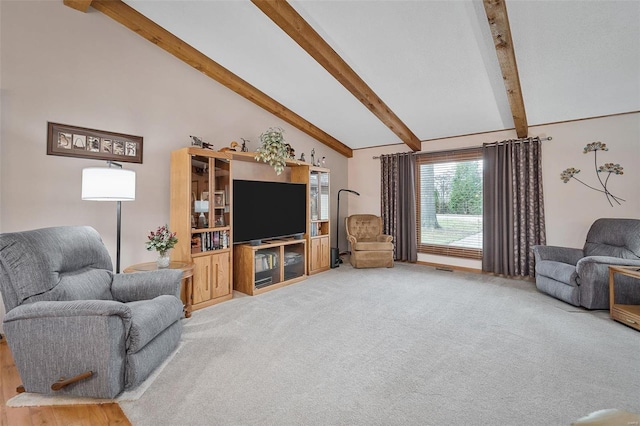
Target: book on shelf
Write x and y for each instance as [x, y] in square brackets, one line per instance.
[265, 261]
[208, 241]
[315, 229]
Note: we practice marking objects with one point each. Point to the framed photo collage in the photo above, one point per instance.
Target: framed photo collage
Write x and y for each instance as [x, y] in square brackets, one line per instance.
[72, 141]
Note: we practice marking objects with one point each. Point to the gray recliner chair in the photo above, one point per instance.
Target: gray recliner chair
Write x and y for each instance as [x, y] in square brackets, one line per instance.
[73, 325]
[581, 276]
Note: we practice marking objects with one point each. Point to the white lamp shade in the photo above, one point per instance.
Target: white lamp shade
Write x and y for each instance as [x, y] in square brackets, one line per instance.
[108, 184]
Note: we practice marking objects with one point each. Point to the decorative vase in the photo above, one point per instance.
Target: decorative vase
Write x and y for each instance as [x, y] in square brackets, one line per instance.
[163, 259]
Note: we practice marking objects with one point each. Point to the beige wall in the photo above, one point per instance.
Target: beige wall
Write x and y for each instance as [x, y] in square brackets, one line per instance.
[60, 65]
[69, 67]
[570, 208]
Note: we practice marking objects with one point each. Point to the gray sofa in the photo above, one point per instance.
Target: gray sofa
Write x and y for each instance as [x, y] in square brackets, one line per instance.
[68, 314]
[581, 276]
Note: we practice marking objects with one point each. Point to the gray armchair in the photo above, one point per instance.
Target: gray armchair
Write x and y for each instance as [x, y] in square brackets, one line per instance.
[73, 325]
[581, 276]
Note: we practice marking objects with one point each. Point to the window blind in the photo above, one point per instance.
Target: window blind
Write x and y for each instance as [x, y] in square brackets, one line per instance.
[449, 203]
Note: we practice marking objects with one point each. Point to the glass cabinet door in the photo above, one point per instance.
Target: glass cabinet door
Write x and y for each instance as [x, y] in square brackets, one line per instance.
[324, 196]
[199, 192]
[220, 201]
[314, 195]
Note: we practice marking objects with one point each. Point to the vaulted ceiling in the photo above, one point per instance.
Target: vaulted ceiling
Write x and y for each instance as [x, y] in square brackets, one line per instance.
[357, 74]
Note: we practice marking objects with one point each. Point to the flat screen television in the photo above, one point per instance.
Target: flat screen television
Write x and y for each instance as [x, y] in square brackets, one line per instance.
[264, 210]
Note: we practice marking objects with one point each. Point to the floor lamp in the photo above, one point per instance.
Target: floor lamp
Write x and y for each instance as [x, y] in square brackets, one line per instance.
[110, 184]
[335, 251]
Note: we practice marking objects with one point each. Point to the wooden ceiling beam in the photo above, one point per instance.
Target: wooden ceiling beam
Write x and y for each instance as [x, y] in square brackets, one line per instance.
[143, 26]
[81, 5]
[286, 17]
[496, 11]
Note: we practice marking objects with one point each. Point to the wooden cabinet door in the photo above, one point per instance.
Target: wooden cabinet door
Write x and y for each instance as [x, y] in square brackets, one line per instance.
[202, 279]
[319, 256]
[316, 250]
[220, 275]
[212, 277]
[324, 252]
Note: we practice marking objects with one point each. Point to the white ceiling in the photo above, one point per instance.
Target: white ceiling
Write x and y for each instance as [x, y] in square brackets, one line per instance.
[432, 62]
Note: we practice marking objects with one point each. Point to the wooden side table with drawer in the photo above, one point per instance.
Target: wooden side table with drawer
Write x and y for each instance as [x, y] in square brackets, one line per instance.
[626, 314]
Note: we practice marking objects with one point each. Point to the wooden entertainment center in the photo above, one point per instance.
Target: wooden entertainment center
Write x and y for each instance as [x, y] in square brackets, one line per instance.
[270, 265]
[202, 216]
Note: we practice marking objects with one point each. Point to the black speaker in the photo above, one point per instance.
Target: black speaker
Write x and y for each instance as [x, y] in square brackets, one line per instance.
[335, 257]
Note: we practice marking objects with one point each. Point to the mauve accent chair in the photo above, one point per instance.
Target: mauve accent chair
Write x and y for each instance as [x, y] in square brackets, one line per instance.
[68, 314]
[581, 276]
[370, 248]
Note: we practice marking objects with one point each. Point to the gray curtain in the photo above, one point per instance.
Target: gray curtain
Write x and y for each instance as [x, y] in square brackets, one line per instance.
[398, 201]
[513, 208]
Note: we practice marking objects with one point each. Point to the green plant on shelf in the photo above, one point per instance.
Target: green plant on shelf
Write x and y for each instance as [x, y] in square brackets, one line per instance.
[273, 150]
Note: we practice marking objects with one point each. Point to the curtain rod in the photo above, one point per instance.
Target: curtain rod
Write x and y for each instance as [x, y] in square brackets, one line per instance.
[514, 140]
[469, 148]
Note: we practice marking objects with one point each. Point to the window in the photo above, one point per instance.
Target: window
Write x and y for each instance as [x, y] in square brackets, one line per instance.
[449, 203]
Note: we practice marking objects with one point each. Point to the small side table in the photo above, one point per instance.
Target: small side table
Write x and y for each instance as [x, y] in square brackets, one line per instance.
[187, 278]
[626, 314]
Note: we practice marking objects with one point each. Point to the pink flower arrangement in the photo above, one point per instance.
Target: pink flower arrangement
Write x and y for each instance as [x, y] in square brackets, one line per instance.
[161, 240]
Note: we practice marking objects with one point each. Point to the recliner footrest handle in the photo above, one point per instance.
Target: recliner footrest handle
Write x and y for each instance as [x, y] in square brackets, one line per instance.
[62, 382]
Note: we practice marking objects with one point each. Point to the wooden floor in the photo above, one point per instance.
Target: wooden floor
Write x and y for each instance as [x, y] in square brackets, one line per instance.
[91, 415]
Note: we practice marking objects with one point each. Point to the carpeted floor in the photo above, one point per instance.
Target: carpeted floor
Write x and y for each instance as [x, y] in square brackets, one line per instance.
[404, 346]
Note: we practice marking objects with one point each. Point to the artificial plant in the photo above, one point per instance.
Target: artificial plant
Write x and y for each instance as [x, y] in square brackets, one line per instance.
[273, 149]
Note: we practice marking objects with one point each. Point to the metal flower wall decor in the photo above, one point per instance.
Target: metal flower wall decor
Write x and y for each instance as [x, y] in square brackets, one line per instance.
[608, 168]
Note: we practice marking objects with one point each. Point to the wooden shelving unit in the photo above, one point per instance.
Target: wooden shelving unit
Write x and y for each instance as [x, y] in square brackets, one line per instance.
[273, 264]
[201, 216]
[318, 223]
